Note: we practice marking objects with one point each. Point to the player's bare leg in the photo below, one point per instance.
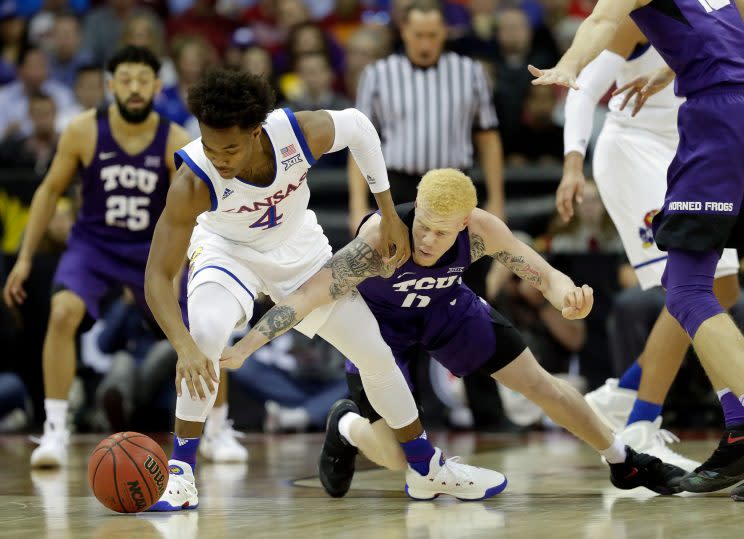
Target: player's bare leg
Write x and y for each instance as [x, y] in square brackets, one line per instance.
[59, 360]
[566, 407]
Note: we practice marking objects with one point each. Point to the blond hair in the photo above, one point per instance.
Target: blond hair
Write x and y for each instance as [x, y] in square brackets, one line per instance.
[447, 192]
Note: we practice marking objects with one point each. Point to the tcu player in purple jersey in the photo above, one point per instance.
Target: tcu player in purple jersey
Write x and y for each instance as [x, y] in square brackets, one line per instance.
[124, 153]
[424, 303]
[702, 42]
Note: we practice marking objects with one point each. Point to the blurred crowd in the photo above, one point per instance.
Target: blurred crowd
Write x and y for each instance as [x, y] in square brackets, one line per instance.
[52, 54]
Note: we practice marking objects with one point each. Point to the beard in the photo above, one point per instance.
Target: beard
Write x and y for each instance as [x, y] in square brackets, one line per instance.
[134, 116]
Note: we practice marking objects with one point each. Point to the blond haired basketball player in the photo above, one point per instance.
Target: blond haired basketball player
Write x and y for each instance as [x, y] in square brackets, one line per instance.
[631, 159]
[423, 303]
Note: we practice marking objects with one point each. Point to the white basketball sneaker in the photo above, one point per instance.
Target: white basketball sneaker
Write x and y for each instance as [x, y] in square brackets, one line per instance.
[220, 444]
[612, 403]
[452, 477]
[648, 437]
[180, 493]
[52, 450]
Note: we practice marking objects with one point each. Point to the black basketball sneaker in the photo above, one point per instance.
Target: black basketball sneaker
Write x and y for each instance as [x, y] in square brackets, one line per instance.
[337, 458]
[641, 470]
[724, 468]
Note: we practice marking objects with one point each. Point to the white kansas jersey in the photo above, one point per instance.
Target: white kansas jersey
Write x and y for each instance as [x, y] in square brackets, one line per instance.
[659, 113]
[255, 216]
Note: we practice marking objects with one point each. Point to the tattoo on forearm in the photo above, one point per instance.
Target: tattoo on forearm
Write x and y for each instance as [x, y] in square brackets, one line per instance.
[517, 264]
[279, 319]
[351, 265]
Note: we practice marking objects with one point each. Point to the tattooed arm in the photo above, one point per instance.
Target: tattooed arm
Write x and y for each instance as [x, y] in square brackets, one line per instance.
[489, 236]
[351, 265]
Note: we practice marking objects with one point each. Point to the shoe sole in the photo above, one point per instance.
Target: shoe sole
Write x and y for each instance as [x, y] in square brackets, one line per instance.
[490, 493]
[46, 463]
[172, 509]
[709, 485]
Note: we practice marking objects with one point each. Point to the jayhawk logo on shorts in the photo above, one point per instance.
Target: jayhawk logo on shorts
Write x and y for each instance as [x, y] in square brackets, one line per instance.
[645, 231]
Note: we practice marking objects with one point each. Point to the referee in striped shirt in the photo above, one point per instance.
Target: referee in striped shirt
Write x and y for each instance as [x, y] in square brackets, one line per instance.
[429, 106]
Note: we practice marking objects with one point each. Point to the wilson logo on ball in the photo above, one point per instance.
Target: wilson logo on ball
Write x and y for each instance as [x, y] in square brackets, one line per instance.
[153, 468]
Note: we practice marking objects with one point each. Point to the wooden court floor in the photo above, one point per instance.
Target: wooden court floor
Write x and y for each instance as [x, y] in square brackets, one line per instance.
[557, 489]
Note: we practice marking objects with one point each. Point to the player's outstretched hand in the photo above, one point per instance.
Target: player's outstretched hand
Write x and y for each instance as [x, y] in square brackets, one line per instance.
[644, 87]
[232, 358]
[394, 233]
[571, 188]
[193, 367]
[13, 292]
[556, 75]
[578, 302]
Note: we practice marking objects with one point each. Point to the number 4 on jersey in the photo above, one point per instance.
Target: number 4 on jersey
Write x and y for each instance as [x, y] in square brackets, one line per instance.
[268, 220]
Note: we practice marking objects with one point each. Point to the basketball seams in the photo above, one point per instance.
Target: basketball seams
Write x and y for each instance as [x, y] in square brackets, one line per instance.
[108, 452]
[139, 471]
[116, 483]
[164, 464]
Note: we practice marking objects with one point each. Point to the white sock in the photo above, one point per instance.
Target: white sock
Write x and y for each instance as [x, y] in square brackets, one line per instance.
[615, 454]
[344, 426]
[722, 392]
[217, 418]
[56, 413]
[294, 418]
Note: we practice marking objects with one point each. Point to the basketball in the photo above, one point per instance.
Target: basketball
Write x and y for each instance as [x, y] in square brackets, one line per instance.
[128, 472]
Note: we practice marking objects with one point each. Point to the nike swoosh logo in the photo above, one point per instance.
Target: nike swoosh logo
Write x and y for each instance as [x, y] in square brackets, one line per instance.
[404, 274]
[103, 156]
[734, 439]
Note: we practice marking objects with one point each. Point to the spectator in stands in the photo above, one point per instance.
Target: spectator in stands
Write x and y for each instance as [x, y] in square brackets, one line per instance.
[13, 39]
[127, 339]
[538, 140]
[65, 54]
[192, 56]
[33, 77]
[480, 37]
[143, 29]
[309, 37]
[13, 402]
[365, 45]
[202, 19]
[516, 51]
[589, 249]
[297, 379]
[242, 39]
[103, 26]
[257, 61]
[89, 94]
[316, 82]
[35, 151]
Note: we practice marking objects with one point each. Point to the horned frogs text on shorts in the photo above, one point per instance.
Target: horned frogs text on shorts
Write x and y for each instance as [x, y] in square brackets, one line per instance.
[259, 239]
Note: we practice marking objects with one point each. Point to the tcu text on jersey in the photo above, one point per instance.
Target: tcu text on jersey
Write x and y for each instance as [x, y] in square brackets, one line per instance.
[424, 283]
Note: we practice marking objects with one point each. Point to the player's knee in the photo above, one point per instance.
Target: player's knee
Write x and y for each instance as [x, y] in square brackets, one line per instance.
[65, 314]
[691, 305]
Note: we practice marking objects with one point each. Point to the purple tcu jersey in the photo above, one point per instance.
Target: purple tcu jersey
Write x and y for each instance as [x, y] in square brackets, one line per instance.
[405, 296]
[701, 40]
[123, 195]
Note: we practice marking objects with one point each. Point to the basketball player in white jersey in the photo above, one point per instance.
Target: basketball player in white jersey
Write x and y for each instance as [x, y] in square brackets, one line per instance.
[630, 165]
[244, 182]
